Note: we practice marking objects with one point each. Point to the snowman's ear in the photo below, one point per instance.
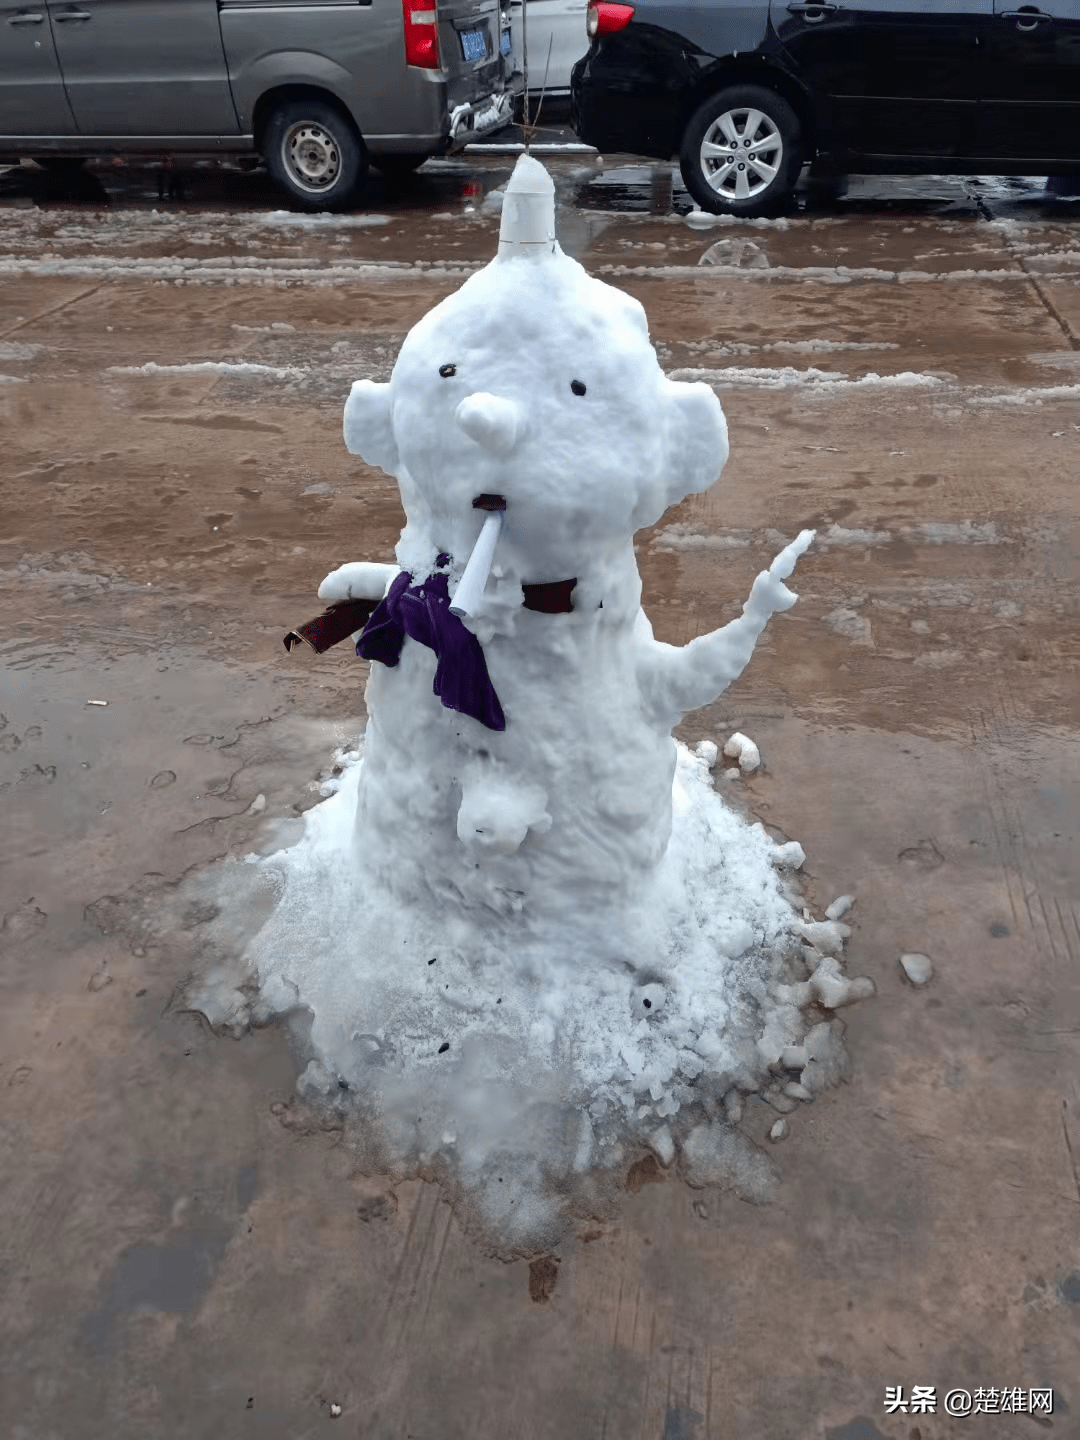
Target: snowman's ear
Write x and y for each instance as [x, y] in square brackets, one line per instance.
[369, 425]
[697, 438]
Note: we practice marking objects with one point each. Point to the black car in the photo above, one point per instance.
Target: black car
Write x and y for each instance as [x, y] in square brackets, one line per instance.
[745, 91]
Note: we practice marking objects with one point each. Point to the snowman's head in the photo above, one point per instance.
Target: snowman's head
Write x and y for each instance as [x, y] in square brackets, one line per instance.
[537, 383]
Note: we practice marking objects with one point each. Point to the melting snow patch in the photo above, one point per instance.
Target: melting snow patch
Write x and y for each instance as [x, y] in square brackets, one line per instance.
[787, 376]
[814, 347]
[956, 532]
[322, 221]
[17, 350]
[703, 220]
[213, 367]
[850, 625]
[1031, 396]
[682, 537]
[838, 535]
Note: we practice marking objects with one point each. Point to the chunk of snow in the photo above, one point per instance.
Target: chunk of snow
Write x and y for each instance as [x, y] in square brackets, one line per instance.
[826, 1060]
[740, 747]
[919, 969]
[716, 1155]
[834, 989]
[779, 1101]
[828, 936]
[790, 856]
[839, 907]
[706, 751]
[662, 1145]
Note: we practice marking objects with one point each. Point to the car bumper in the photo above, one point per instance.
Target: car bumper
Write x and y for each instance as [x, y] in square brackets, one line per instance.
[618, 105]
[480, 117]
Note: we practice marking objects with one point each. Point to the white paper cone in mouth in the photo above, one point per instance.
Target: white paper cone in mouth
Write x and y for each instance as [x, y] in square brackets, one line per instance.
[528, 212]
[466, 598]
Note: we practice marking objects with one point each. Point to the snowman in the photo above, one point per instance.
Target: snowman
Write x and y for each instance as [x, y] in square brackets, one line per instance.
[518, 759]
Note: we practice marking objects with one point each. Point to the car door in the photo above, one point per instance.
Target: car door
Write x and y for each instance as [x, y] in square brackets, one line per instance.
[890, 77]
[144, 67]
[1031, 104]
[32, 99]
[557, 40]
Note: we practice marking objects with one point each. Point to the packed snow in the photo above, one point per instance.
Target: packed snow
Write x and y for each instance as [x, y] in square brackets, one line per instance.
[522, 944]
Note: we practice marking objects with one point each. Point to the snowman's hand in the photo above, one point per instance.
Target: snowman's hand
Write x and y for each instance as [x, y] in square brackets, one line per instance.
[360, 580]
[769, 593]
[676, 681]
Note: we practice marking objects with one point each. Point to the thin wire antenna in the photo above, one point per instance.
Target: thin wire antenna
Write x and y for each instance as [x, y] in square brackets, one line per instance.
[543, 88]
[525, 66]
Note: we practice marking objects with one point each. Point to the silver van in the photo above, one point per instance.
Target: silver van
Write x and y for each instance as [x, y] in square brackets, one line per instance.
[318, 87]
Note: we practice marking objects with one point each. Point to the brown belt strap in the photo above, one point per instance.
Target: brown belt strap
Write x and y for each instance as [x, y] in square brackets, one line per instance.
[333, 625]
[552, 598]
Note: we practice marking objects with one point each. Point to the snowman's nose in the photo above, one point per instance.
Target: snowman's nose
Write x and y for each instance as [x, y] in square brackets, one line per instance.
[491, 421]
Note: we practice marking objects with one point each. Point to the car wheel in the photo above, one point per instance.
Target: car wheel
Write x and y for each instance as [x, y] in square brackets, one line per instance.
[741, 153]
[313, 151]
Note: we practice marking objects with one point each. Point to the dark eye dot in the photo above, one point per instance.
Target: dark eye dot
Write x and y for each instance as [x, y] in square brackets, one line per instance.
[647, 1004]
[578, 387]
[447, 370]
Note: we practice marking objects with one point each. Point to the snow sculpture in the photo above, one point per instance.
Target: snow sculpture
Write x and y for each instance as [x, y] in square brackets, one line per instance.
[525, 932]
[531, 428]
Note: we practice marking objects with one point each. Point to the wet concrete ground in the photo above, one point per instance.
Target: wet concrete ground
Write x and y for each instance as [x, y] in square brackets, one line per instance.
[181, 1254]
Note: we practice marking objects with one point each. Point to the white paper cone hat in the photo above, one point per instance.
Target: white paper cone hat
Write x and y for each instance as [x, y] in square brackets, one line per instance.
[528, 212]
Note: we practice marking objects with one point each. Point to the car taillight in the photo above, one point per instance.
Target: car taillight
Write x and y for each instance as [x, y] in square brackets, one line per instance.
[603, 17]
[421, 33]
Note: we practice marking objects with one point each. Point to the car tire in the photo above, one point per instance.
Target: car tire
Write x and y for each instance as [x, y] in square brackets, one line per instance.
[729, 124]
[313, 150]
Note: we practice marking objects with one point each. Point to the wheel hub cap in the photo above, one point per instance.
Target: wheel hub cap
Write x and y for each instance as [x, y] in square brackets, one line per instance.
[733, 134]
[312, 156]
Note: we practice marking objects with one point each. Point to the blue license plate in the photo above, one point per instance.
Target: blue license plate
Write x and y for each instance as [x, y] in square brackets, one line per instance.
[504, 42]
[473, 45]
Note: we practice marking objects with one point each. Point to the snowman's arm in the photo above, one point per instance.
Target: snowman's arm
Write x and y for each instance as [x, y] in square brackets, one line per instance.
[360, 580]
[679, 679]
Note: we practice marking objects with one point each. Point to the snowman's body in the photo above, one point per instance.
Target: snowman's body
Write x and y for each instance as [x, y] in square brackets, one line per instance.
[537, 383]
[567, 811]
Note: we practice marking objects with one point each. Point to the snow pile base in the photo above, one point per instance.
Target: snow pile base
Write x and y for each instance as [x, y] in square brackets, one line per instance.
[526, 1080]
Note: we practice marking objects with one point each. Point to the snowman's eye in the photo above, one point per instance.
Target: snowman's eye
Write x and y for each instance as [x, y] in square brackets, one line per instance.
[447, 370]
[578, 387]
